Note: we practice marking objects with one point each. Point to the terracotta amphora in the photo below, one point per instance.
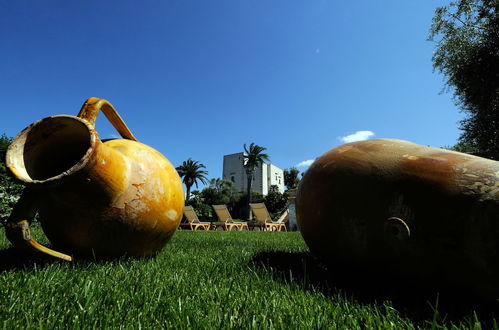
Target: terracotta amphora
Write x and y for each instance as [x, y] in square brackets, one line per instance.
[425, 214]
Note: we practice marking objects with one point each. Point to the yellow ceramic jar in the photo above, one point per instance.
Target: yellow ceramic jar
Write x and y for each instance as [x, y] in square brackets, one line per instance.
[104, 199]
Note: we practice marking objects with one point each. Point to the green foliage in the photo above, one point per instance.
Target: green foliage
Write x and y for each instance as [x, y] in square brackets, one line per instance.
[9, 189]
[220, 192]
[466, 35]
[465, 147]
[217, 193]
[291, 178]
[203, 210]
[275, 201]
[191, 172]
[240, 207]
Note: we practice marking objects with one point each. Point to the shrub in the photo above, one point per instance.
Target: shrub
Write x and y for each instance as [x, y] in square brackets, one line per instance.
[10, 191]
[275, 201]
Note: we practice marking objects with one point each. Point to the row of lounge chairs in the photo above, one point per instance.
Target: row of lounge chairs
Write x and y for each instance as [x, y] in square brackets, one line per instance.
[262, 220]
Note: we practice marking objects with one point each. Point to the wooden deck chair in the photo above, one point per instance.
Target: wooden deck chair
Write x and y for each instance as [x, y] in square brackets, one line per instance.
[263, 219]
[225, 220]
[280, 223]
[193, 222]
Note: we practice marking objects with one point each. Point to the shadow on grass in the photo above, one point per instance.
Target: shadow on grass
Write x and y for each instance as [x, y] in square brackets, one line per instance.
[12, 259]
[15, 259]
[411, 299]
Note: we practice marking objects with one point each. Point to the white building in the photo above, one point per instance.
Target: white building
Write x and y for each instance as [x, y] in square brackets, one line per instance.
[265, 175]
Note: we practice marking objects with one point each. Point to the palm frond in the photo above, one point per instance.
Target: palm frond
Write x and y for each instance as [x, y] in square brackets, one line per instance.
[254, 155]
[191, 172]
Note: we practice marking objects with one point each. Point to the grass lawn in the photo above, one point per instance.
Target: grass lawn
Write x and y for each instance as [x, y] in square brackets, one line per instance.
[213, 280]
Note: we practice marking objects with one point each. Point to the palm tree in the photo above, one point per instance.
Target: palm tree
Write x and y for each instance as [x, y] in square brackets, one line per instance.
[253, 157]
[191, 172]
[291, 178]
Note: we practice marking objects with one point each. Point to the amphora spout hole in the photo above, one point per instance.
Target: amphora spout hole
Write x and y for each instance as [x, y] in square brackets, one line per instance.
[49, 148]
[396, 229]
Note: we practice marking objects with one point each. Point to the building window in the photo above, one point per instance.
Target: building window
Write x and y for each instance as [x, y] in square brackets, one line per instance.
[232, 179]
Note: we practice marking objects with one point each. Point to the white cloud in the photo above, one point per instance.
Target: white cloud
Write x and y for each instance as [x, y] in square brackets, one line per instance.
[357, 136]
[305, 163]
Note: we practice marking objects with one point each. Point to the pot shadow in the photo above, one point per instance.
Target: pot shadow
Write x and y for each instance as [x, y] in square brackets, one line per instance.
[15, 259]
[420, 303]
[12, 259]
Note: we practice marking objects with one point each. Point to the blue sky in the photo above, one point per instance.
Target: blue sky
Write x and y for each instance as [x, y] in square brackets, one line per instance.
[201, 78]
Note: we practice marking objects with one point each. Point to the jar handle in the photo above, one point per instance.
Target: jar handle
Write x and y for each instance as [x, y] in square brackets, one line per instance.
[17, 226]
[91, 108]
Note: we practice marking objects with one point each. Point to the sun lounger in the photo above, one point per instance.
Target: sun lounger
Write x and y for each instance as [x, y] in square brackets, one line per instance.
[263, 221]
[225, 220]
[193, 222]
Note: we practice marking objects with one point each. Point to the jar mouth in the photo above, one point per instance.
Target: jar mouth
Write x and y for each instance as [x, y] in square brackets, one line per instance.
[50, 149]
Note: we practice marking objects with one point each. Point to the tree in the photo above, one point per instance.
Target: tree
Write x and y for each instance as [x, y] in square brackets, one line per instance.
[253, 157]
[4, 144]
[10, 190]
[191, 172]
[291, 178]
[463, 146]
[222, 186]
[202, 209]
[219, 192]
[275, 201]
[466, 35]
[239, 208]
